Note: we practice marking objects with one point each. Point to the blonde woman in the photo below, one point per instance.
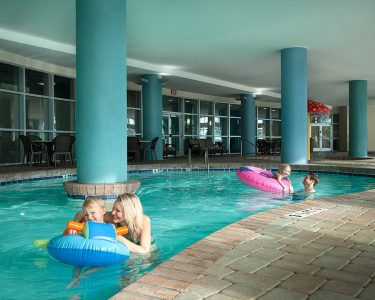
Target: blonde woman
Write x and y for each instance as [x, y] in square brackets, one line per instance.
[127, 211]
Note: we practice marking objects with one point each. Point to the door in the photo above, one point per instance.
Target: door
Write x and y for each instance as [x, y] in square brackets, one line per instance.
[172, 124]
[321, 137]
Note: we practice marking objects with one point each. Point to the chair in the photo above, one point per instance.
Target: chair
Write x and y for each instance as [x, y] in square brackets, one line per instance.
[30, 150]
[134, 148]
[62, 147]
[261, 146]
[151, 148]
[194, 147]
[169, 149]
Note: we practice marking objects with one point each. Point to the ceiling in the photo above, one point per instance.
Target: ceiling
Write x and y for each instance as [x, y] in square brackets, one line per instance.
[215, 47]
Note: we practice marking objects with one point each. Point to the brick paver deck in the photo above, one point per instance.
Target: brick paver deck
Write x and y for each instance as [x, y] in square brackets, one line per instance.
[271, 255]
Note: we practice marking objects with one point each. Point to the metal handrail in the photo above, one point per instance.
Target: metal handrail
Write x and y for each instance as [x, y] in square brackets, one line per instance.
[249, 142]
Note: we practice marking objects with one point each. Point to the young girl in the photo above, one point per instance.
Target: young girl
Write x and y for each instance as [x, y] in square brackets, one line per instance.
[283, 173]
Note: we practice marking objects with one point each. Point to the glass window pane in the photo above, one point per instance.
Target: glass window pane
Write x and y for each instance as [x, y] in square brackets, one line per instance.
[191, 106]
[9, 77]
[235, 126]
[9, 111]
[235, 145]
[134, 122]
[276, 113]
[205, 129]
[276, 128]
[64, 115]
[206, 108]
[45, 136]
[263, 129]
[263, 112]
[221, 109]
[191, 122]
[235, 110]
[171, 104]
[9, 147]
[221, 128]
[224, 144]
[134, 99]
[36, 82]
[37, 113]
[63, 87]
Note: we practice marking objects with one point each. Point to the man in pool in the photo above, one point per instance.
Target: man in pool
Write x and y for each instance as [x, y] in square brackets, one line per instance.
[309, 182]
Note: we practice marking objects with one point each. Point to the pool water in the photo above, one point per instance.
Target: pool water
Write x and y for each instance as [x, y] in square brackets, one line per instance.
[183, 206]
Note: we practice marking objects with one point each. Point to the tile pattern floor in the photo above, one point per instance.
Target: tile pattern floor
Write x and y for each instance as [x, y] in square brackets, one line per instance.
[271, 255]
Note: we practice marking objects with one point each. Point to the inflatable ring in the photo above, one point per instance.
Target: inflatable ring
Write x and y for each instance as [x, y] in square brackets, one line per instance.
[260, 179]
[96, 246]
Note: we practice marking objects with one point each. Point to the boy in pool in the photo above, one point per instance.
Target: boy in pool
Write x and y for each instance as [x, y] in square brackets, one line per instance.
[283, 173]
[93, 209]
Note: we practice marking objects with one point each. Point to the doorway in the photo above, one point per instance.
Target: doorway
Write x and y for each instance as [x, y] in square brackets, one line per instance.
[172, 124]
[321, 137]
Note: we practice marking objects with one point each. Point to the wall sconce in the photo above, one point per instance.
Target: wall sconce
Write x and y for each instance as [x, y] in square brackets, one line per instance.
[188, 121]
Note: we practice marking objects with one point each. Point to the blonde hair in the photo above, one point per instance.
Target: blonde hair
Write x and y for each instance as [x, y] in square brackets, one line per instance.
[90, 201]
[284, 166]
[132, 213]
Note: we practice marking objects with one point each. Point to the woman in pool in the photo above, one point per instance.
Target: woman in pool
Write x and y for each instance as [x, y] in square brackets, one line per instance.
[127, 211]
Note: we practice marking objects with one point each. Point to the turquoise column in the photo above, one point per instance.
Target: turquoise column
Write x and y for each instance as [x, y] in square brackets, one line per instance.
[152, 112]
[101, 91]
[294, 105]
[358, 143]
[248, 124]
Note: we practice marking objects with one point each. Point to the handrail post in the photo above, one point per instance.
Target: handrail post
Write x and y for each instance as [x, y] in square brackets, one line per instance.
[206, 160]
[189, 157]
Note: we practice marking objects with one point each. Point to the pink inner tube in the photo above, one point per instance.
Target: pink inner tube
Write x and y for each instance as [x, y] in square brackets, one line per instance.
[260, 179]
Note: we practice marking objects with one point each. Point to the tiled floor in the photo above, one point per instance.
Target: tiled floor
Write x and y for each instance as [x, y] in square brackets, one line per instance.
[316, 249]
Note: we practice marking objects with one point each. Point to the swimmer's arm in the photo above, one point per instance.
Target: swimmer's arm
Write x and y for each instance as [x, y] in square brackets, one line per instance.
[145, 243]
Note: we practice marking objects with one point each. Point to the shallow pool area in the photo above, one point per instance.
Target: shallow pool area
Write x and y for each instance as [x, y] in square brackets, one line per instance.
[183, 206]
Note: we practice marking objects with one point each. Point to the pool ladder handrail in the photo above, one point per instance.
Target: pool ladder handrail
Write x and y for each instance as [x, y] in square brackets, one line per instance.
[206, 160]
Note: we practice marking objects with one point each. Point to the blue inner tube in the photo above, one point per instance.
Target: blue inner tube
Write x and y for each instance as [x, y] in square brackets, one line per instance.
[76, 250]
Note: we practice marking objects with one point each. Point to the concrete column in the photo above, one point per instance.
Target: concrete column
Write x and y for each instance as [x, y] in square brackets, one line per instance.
[101, 91]
[248, 124]
[152, 112]
[294, 105]
[358, 135]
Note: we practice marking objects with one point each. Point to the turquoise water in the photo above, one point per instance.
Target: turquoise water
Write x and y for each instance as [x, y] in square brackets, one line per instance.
[184, 207]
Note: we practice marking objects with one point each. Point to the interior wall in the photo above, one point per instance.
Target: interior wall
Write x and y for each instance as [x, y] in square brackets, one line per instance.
[371, 128]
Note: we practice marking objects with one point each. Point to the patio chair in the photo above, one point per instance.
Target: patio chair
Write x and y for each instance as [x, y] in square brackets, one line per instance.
[169, 149]
[62, 147]
[261, 146]
[151, 148]
[134, 148]
[30, 150]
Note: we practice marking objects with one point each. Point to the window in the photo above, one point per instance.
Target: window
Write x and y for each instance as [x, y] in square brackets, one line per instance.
[64, 115]
[9, 77]
[134, 99]
[172, 104]
[206, 108]
[37, 113]
[191, 106]
[9, 111]
[63, 87]
[36, 83]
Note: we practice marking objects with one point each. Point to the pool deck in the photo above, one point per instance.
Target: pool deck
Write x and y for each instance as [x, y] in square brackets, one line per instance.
[314, 249]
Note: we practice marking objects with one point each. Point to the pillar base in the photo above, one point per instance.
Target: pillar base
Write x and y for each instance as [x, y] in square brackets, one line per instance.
[74, 189]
